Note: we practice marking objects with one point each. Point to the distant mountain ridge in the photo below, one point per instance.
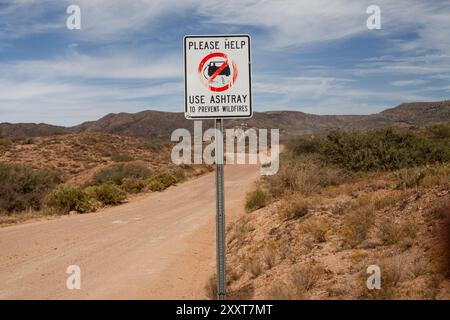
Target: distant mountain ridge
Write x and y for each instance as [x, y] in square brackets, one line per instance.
[151, 123]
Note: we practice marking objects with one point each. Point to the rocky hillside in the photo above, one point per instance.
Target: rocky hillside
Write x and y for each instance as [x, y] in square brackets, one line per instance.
[29, 130]
[152, 123]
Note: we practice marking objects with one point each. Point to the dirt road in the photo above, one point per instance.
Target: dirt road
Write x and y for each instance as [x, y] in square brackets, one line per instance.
[158, 246]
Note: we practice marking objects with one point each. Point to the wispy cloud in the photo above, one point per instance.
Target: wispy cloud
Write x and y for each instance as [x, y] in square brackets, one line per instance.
[117, 66]
[128, 56]
[402, 83]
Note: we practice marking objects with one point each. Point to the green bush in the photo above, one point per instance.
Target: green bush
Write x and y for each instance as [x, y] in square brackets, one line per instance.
[70, 198]
[256, 199]
[107, 193]
[438, 132]
[381, 149]
[118, 172]
[133, 185]
[161, 181]
[178, 174]
[155, 185]
[22, 187]
[303, 146]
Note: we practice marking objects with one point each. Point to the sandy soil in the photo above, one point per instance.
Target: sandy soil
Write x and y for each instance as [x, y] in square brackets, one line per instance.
[161, 246]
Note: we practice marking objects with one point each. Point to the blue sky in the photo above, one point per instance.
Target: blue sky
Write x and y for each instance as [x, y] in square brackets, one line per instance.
[311, 56]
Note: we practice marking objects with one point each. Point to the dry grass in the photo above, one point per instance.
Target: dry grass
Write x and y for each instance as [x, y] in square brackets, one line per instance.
[306, 278]
[79, 156]
[409, 177]
[356, 225]
[211, 288]
[256, 199]
[281, 291]
[392, 273]
[317, 227]
[389, 200]
[269, 255]
[438, 176]
[238, 231]
[417, 266]
[392, 231]
[293, 207]
[255, 266]
[304, 175]
[442, 211]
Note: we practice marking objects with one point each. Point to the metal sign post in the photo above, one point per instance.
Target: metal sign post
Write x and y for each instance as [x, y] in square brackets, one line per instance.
[217, 85]
[220, 215]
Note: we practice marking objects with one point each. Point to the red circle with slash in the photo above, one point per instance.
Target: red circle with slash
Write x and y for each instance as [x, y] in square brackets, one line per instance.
[225, 64]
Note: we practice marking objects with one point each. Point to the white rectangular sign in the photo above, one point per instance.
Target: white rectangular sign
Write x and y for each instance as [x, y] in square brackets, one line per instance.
[217, 77]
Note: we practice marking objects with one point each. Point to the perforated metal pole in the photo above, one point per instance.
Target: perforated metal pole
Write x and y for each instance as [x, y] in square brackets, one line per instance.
[220, 215]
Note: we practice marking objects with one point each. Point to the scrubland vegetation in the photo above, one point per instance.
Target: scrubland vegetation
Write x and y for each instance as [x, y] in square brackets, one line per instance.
[342, 202]
[36, 184]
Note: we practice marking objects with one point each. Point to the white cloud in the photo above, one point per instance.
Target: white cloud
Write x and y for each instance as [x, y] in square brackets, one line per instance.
[402, 83]
[116, 66]
[78, 86]
[287, 22]
[72, 103]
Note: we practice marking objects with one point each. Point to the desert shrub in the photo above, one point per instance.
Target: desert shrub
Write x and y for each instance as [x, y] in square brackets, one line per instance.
[178, 174]
[161, 181]
[357, 223]
[27, 141]
[390, 231]
[417, 266]
[70, 198]
[436, 176]
[121, 157]
[389, 199]
[382, 149]
[441, 212]
[438, 132]
[303, 146]
[211, 288]
[107, 193]
[293, 207]
[133, 185]
[306, 278]
[254, 265]
[5, 143]
[269, 256]
[118, 172]
[232, 275]
[281, 291]
[297, 176]
[410, 228]
[409, 177]
[155, 185]
[256, 199]
[239, 230]
[22, 187]
[317, 227]
[305, 175]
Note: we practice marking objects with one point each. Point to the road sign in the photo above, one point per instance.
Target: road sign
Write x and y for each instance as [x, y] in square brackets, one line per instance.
[217, 77]
[217, 85]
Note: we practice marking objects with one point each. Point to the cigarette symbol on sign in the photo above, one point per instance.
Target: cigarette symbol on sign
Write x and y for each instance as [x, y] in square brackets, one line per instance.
[209, 70]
